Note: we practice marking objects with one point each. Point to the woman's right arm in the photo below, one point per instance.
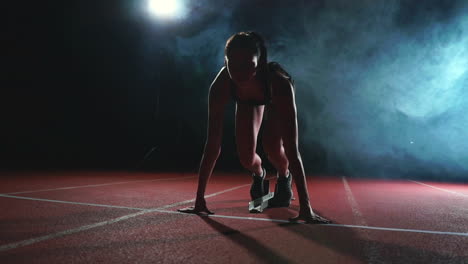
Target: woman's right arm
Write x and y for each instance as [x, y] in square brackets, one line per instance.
[218, 98]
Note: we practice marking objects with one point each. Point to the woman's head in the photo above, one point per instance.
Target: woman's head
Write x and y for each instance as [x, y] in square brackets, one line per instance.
[245, 56]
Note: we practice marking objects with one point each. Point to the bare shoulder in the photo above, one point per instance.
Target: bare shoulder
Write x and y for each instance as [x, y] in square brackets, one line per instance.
[219, 89]
[221, 81]
[281, 84]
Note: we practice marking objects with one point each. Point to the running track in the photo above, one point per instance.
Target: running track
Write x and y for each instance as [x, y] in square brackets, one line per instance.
[130, 217]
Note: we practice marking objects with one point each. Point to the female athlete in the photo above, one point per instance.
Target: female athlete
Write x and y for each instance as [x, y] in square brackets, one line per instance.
[263, 92]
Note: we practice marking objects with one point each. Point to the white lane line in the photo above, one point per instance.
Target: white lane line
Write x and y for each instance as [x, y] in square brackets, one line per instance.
[121, 207]
[115, 220]
[161, 210]
[67, 202]
[403, 230]
[67, 232]
[206, 196]
[369, 248]
[87, 227]
[335, 225]
[98, 185]
[440, 189]
[354, 206]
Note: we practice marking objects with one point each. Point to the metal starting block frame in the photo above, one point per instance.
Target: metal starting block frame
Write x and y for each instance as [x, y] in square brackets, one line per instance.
[259, 204]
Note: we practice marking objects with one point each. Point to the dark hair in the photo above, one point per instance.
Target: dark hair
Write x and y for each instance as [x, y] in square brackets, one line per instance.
[251, 41]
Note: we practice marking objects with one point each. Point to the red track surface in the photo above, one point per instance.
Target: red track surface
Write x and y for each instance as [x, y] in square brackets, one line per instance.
[92, 217]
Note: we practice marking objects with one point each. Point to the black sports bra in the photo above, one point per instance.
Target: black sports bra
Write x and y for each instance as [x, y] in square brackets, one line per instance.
[266, 92]
[271, 67]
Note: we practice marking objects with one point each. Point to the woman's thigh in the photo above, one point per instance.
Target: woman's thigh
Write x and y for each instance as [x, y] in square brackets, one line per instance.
[248, 122]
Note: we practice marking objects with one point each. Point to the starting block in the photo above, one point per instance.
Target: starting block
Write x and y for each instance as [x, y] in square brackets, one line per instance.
[259, 204]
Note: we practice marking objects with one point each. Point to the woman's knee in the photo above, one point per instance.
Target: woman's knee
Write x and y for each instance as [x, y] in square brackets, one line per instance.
[248, 160]
[277, 156]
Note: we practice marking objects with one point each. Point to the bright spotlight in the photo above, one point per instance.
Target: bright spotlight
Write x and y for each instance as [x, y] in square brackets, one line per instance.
[165, 8]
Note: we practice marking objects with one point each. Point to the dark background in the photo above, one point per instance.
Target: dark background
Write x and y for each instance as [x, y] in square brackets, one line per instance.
[380, 85]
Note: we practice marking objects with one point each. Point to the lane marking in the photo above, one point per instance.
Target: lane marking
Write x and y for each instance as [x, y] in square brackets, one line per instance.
[440, 189]
[161, 210]
[403, 230]
[67, 232]
[369, 248]
[98, 185]
[206, 196]
[334, 225]
[67, 202]
[87, 227]
[118, 206]
[354, 206]
[115, 220]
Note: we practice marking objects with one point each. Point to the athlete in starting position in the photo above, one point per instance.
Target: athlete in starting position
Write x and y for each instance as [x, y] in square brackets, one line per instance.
[261, 89]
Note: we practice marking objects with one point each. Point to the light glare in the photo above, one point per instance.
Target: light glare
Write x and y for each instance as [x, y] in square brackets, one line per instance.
[164, 8]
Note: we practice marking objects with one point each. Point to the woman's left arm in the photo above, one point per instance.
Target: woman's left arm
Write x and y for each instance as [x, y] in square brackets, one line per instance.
[286, 109]
[287, 112]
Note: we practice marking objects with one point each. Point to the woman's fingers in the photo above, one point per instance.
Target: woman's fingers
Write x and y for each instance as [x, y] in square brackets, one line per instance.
[208, 211]
[195, 210]
[187, 210]
[310, 219]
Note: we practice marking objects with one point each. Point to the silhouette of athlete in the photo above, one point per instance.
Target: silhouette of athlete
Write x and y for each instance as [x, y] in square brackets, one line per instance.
[260, 89]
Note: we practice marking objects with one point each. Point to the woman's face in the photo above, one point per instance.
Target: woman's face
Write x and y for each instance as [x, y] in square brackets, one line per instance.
[242, 65]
